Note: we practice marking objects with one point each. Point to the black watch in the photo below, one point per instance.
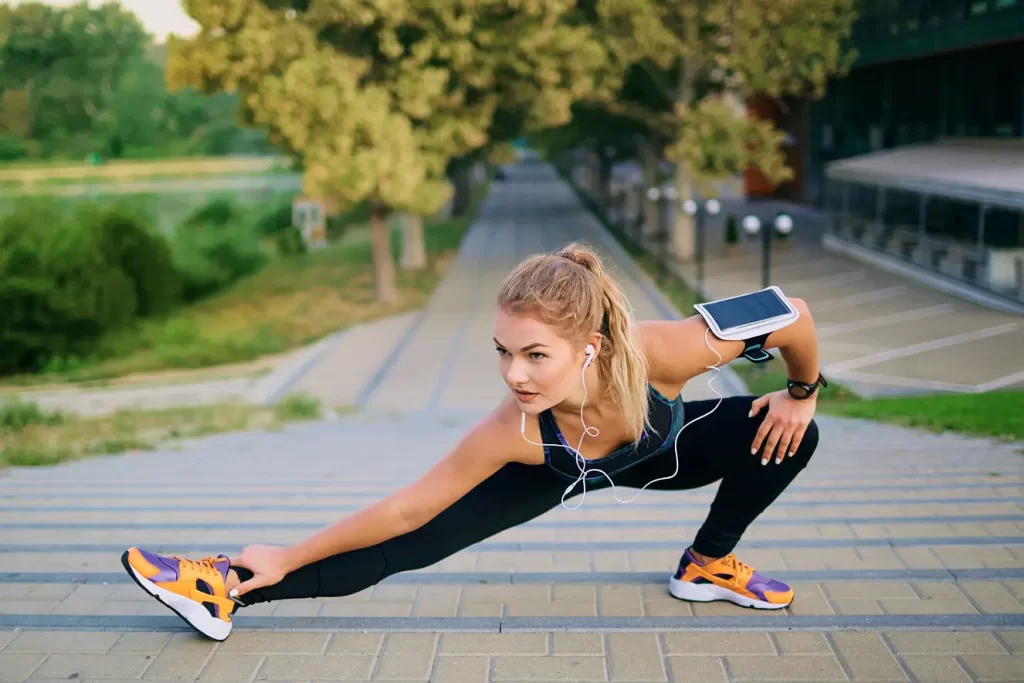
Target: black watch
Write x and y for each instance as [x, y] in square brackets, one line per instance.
[801, 391]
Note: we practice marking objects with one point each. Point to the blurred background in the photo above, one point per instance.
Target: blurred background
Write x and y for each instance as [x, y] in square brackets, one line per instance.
[210, 185]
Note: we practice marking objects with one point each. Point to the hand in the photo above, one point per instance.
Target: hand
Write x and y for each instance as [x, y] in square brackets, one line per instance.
[268, 564]
[783, 427]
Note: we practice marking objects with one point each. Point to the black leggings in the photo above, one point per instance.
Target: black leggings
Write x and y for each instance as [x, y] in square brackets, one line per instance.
[716, 447]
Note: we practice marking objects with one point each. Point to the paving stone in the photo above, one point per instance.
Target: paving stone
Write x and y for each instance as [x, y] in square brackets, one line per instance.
[494, 643]
[230, 668]
[461, 669]
[577, 643]
[18, 666]
[92, 666]
[334, 667]
[938, 642]
[794, 667]
[994, 667]
[704, 669]
[406, 656]
[635, 657]
[66, 642]
[866, 656]
[549, 668]
[936, 668]
[724, 643]
[801, 643]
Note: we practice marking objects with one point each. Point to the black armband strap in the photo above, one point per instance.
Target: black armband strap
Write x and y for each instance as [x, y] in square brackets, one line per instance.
[753, 349]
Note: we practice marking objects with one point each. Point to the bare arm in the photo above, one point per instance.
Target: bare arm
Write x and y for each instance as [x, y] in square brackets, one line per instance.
[678, 352]
[476, 457]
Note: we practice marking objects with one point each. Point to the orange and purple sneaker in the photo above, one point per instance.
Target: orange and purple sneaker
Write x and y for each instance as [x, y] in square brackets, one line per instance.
[727, 579]
[193, 589]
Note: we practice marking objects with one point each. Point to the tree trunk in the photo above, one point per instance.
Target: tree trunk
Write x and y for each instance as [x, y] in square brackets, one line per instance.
[383, 264]
[461, 183]
[414, 253]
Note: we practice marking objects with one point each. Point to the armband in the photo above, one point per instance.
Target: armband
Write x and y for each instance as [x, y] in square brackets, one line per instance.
[750, 318]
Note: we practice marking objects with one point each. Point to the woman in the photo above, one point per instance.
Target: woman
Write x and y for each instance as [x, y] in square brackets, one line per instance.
[572, 359]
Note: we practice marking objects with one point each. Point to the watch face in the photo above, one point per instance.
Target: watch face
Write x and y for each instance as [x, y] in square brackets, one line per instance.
[799, 391]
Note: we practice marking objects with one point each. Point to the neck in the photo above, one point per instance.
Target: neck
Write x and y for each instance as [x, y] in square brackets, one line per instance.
[593, 406]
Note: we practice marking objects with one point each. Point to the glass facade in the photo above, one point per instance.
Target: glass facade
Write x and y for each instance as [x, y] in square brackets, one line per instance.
[926, 69]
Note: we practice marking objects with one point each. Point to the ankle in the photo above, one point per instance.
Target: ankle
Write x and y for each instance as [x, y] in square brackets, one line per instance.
[702, 559]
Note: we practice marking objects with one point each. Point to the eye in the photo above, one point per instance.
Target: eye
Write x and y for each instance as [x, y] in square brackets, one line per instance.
[501, 351]
[537, 355]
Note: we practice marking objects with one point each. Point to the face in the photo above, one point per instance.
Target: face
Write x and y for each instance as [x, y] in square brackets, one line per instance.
[541, 368]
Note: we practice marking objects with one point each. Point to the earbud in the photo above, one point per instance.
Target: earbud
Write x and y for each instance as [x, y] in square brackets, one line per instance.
[590, 355]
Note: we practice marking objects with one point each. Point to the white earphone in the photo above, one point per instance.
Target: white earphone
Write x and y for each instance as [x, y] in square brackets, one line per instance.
[581, 461]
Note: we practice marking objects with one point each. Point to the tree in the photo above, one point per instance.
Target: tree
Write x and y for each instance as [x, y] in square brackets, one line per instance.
[701, 58]
[60, 66]
[377, 98]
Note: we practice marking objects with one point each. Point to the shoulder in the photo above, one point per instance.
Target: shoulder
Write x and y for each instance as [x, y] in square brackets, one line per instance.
[498, 435]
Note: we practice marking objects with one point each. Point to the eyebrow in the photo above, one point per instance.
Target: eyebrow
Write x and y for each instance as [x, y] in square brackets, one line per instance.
[525, 348]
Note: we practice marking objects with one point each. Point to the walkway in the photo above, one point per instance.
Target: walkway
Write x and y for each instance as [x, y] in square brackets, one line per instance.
[906, 549]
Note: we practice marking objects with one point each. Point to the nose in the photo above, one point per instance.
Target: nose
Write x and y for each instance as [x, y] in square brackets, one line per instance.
[516, 374]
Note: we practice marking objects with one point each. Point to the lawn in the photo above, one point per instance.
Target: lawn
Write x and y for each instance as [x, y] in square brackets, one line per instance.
[32, 437]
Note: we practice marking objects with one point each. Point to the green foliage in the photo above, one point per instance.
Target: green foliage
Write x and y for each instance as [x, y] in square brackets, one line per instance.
[298, 407]
[212, 257]
[78, 80]
[16, 414]
[63, 280]
[289, 242]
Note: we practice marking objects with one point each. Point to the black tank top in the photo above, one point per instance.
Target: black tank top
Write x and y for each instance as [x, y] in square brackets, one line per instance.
[666, 416]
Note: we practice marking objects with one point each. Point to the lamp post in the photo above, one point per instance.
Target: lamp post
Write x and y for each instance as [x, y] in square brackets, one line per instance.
[693, 208]
[783, 224]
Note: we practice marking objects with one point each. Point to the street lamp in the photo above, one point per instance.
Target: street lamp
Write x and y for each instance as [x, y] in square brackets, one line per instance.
[692, 208]
[783, 224]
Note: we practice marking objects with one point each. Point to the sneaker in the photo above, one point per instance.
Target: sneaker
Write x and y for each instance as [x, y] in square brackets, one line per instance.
[193, 589]
[727, 579]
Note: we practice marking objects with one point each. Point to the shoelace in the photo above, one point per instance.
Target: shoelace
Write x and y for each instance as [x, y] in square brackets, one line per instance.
[203, 566]
[741, 570]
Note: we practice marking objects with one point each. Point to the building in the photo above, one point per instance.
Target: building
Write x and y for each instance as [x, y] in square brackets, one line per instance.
[918, 153]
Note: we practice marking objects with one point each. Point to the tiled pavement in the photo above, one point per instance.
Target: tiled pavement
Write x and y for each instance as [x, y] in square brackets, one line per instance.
[906, 549]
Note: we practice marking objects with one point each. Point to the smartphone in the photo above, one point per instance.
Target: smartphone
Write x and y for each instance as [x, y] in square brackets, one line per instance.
[741, 317]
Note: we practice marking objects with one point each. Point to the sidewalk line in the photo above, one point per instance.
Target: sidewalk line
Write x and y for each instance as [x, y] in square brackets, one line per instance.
[1001, 382]
[642, 578]
[857, 299]
[364, 395]
[909, 382]
[752, 622]
[922, 347]
[825, 331]
[557, 546]
[540, 524]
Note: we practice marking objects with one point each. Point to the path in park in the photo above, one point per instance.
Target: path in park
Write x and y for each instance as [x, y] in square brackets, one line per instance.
[906, 549]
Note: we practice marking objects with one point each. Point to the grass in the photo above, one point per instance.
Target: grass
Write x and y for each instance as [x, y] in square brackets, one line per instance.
[291, 302]
[996, 414]
[30, 436]
[29, 173]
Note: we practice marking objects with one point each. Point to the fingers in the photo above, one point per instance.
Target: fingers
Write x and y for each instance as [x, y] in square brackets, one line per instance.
[257, 581]
[798, 436]
[757, 404]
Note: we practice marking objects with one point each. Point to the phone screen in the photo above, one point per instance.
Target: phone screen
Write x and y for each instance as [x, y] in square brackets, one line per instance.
[746, 309]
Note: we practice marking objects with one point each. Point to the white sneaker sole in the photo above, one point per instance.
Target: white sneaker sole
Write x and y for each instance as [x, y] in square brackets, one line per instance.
[708, 592]
[191, 611]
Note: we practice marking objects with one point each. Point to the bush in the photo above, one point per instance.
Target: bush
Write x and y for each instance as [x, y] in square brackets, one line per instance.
[220, 211]
[210, 257]
[289, 242]
[275, 219]
[143, 254]
[16, 414]
[66, 280]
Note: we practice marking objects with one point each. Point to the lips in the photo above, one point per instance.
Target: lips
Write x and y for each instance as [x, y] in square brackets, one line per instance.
[525, 397]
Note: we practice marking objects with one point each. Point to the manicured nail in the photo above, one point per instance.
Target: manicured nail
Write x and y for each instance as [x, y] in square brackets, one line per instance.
[750, 414]
[778, 460]
[753, 451]
[764, 461]
[233, 593]
[791, 454]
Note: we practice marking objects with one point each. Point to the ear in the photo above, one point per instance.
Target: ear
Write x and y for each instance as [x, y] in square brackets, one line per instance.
[595, 340]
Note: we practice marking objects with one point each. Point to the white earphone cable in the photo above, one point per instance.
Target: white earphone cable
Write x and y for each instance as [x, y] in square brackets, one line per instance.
[581, 461]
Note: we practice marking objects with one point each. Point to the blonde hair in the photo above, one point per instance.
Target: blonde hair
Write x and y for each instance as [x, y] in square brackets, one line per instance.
[571, 291]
